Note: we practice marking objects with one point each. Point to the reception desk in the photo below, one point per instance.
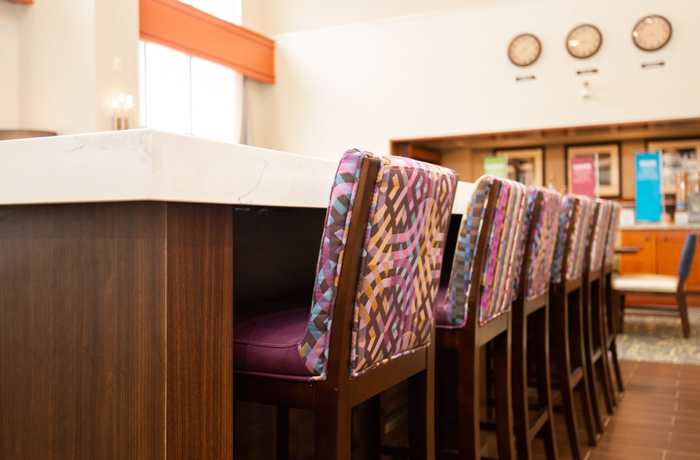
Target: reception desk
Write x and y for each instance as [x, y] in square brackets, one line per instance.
[122, 258]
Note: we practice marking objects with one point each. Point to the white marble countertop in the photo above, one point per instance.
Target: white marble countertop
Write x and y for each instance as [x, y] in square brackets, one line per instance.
[150, 165]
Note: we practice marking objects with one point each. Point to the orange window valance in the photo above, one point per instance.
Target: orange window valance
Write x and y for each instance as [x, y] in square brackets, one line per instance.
[182, 27]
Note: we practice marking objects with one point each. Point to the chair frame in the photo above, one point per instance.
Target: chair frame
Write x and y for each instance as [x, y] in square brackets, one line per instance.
[594, 334]
[536, 312]
[567, 336]
[680, 298]
[613, 317]
[468, 340]
[332, 399]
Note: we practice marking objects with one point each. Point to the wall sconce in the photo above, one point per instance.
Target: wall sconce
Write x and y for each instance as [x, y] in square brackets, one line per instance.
[121, 112]
[586, 90]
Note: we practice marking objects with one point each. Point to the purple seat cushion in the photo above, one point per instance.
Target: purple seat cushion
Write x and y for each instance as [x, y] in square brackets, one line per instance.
[270, 344]
[441, 318]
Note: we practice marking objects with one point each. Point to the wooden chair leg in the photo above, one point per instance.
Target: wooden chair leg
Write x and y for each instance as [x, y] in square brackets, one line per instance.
[567, 397]
[544, 394]
[578, 358]
[616, 366]
[374, 427]
[468, 401]
[598, 313]
[521, 419]
[683, 310]
[588, 364]
[503, 395]
[286, 434]
[421, 414]
[333, 431]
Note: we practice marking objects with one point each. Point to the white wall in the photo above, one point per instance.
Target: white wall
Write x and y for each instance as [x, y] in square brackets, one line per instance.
[8, 66]
[447, 73]
[60, 74]
[57, 66]
[116, 35]
[274, 17]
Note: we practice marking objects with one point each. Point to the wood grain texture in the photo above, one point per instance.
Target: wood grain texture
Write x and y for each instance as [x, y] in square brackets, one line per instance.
[82, 331]
[200, 331]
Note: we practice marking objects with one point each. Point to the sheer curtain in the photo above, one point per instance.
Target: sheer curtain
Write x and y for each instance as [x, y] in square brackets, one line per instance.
[188, 95]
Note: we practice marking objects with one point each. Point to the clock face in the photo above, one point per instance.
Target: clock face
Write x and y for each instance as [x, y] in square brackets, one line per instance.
[584, 41]
[652, 33]
[524, 50]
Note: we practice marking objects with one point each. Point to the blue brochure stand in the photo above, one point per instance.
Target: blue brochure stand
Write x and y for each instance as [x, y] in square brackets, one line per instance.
[649, 204]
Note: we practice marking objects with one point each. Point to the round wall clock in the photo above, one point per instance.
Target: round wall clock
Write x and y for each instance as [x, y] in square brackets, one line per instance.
[584, 41]
[524, 50]
[652, 33]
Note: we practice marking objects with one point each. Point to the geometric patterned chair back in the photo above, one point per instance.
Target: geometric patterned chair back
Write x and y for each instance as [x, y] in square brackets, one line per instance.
[612, 232]
[400, 265]
[577, 211]
[500, 237]
[544, 239]
[600, 233]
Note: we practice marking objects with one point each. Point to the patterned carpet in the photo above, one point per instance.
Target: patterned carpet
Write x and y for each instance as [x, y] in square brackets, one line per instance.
[660, 339]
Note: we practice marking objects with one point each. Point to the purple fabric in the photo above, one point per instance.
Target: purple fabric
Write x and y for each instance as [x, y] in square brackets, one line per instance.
[442, 318]
[270, 344]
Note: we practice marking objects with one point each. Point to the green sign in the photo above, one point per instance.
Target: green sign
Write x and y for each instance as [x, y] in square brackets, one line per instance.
[496, 166]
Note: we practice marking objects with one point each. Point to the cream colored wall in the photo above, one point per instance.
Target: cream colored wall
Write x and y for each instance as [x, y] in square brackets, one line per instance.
[447, 73]
[57, 63]
[8, 66]
[116, 35]
[275, 17]
[56, 47]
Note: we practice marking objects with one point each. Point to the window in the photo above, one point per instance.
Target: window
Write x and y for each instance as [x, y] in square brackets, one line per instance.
[188, 95]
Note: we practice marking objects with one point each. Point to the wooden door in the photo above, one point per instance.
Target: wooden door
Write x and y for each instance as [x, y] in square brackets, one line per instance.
[645, 260]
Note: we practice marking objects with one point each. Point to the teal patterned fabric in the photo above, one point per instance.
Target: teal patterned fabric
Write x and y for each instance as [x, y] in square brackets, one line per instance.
[600, 233]
[501, 238]
[580, 238]
[455, 304]
[576, 211]
[543, 243]
[612, 233]
[400, 271]
[314, 346]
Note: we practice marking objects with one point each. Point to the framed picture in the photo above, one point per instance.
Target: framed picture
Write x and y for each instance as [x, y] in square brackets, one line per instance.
[678, 156]
[525, 165]
[608, 166]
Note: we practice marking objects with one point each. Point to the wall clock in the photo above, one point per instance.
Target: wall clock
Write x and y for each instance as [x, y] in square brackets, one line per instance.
[652, 33]
[584, 41]
[524, 50]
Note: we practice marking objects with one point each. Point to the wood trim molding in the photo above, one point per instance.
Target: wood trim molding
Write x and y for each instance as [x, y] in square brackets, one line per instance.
[182, 27]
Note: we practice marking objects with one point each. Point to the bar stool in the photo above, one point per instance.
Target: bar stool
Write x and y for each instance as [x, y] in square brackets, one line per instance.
[612, 313]
[531, 312]
[593, 313]
[378, 276]
[474, 309]
[566, 326]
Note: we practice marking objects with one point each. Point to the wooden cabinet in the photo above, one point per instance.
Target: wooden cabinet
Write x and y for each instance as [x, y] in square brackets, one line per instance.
[660, 254]
[645, 260]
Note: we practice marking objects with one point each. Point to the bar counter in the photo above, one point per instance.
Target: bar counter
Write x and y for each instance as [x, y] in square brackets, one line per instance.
[123, 256]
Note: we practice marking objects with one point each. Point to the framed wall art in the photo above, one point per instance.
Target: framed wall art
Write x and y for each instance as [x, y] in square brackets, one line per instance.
[608, 166]
[525, 165]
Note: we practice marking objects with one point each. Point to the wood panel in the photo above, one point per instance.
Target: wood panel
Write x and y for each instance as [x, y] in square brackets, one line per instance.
[645, 260]
[82, 331]
[200, 331]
